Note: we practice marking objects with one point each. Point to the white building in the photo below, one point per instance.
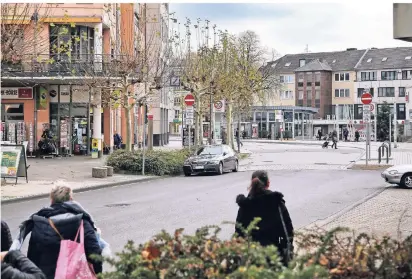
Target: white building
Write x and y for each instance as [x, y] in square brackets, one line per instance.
[387, 75]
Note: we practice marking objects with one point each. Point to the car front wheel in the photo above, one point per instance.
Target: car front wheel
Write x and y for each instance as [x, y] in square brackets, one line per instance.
[220, 171]
[187, 173]
[406, 181]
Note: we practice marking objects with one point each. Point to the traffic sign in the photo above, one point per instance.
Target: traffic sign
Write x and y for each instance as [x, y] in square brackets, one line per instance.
[189, 114]
[366, 98]
[218, 105]
[372, 107]
[189, 121]
[366, 113]
[189, 100]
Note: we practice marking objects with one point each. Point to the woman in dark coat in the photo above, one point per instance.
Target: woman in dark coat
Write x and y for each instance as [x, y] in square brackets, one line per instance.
[6, 239]
[14, 265]
[275, 227]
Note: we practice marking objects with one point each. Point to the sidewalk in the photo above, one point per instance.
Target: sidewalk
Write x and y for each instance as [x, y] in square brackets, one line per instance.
[389, 213]
[75, 171]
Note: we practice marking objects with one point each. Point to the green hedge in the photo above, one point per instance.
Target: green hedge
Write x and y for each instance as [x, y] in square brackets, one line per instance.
[322, 254]
[157, 162]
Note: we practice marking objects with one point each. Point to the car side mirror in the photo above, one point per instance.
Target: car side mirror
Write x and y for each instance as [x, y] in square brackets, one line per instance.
[224, 153]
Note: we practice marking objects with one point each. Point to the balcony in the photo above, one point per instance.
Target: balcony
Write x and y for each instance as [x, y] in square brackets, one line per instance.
[53, 66]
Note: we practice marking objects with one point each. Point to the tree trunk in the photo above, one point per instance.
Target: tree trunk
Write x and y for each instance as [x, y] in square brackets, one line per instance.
[201, 130]
[197, 118]
[128, 126]
[229, 119]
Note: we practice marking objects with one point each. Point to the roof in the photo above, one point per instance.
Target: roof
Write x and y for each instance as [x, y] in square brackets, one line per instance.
[337, 60]
[313, 66]
[395, 59]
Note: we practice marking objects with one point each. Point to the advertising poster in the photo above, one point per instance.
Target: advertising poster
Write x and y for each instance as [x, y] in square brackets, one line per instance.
[10, 162]
[254, 130]
[43, 98]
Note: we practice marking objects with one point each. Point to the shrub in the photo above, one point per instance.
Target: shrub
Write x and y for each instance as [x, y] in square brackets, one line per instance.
[157, 162]
[322, 255]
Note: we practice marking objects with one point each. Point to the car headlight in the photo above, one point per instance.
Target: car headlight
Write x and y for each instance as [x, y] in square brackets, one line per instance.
[392, 172]
[215, 162]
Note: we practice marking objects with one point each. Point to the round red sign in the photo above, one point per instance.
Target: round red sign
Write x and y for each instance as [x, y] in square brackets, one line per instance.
[189, 100]
[366, 98]
[218, 105]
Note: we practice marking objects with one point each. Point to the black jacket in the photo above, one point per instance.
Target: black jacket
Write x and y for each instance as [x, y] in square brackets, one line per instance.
[17, 266]
[6, 239]
[266, 206]
[44, 245]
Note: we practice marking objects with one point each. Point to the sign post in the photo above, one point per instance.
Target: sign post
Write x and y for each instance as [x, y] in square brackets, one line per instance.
[366, 100]
[189, 115]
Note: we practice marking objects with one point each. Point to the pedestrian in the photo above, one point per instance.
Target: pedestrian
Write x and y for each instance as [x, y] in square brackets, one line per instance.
[335, 139]
[6, 239]
[320, 134]
[237, 135]
[345, 134]
[275, 227]
[357, 135]
[14, 265]
[60, 220]
[117, 139]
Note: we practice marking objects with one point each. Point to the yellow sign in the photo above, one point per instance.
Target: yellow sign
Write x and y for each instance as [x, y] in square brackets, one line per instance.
[95, 143]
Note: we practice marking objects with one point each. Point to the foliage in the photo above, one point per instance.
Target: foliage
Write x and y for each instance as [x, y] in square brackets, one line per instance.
[322, 254]
[157, 162]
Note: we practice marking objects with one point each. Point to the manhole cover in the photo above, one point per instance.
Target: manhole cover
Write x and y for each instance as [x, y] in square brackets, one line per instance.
[118, 205]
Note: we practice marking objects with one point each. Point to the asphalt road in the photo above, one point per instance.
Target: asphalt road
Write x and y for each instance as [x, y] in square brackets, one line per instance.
[138, 211]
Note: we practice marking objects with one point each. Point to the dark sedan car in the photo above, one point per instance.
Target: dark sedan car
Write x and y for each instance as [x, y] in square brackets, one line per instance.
[212, 158]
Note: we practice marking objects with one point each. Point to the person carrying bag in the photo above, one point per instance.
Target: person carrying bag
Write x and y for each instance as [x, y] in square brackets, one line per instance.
[72, 262]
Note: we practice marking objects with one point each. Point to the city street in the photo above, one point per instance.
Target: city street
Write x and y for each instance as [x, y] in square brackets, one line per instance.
[138, 211]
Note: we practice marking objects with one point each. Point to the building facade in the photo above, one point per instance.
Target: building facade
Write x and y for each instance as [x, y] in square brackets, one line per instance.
[67, 49]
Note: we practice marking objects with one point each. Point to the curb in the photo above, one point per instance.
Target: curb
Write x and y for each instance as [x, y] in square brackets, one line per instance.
[80, 190]
[329, 219]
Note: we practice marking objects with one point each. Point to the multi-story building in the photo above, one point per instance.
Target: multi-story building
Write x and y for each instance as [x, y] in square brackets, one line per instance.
[47, 84]
[387, 75]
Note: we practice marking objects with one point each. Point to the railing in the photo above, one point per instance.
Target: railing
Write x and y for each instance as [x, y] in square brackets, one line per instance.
[381, 151]
[64, 65]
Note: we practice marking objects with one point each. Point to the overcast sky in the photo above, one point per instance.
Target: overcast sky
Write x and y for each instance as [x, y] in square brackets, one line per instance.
[288, 28]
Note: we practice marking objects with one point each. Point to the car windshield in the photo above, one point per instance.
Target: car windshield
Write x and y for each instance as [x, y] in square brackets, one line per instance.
[210, 150]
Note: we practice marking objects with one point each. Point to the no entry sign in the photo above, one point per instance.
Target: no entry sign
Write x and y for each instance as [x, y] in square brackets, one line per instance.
[189, 100]
[366, 98]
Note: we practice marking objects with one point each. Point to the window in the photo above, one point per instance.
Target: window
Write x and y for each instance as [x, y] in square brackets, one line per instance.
[300, 84]
[287, 64]
[384, 59]
[317, 94]
[388, 75]
[334, 61]
[302, 62]
[386, 92]
[177, 114]
[365, 76]
[317, 77]
[400, 111]
[282, 79]
[408, 57]
[407, 74]
[369, 60]
[309, 94]
[342, 93]
[300, 95]
[286, 79]
[363, 90]
[317, 103]
[177, 101]
[342, 77]
[288, 94]
[401, 91]
[12, 112]
[379, 108]
[300, 77]
[358, 112]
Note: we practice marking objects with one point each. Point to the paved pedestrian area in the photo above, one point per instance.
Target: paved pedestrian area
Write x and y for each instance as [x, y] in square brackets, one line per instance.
[76, 171]
[389, 213]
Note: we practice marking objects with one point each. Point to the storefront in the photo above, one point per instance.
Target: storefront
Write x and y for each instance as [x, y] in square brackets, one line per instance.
[17, 115]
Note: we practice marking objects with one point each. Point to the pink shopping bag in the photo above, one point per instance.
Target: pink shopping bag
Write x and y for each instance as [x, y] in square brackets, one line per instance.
[72, 262]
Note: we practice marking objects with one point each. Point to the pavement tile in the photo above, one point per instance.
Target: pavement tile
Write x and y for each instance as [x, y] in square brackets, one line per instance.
[389, 213]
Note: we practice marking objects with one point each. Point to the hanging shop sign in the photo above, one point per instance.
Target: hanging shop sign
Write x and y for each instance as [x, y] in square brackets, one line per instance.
[17, 93]
[80, 94]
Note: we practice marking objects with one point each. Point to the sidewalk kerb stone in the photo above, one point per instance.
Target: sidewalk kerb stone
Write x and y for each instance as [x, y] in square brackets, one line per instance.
[82, 189]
